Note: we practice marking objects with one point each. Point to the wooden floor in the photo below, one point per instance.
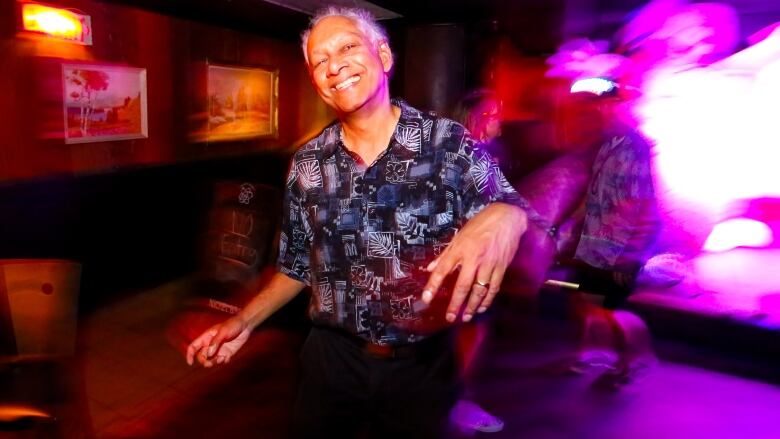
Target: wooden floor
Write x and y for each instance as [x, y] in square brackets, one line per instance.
[521, 384]
[138, 385]
[713, 381]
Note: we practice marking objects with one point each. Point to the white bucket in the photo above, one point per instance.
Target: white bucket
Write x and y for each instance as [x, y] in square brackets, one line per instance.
[42, 299]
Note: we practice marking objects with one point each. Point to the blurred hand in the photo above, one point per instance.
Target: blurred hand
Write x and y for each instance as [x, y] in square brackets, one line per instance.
[219, 343]
[482, 250]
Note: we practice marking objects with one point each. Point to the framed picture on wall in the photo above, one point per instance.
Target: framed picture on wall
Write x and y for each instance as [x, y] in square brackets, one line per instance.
[103, 102]
[241, 103]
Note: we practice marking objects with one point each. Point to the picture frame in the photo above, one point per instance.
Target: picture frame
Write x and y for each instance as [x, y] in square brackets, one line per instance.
[103, 102]
[241, 103]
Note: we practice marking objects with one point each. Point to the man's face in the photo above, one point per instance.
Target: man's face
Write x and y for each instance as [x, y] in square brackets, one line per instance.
[345, 67]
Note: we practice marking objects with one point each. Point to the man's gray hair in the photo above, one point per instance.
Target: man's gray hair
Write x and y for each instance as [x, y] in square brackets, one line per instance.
[364, 20]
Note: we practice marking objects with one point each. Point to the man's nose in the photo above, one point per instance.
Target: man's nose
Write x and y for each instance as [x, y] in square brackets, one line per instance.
[335, 65]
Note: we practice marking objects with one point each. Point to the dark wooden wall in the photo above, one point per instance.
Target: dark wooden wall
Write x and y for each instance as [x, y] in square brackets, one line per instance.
[132, 211]
[172, 51]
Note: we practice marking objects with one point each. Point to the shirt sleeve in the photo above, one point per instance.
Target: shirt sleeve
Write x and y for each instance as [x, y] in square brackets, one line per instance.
[639, 191]
[295, 235]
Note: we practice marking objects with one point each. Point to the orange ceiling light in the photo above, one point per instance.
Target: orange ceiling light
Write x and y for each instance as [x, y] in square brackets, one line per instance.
[57, 23]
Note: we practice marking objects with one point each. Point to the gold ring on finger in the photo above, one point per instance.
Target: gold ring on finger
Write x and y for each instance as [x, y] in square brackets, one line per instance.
[482, 284]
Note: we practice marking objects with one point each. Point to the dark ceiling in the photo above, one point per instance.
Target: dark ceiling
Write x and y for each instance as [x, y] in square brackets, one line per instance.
[535, 26]
[467, 10]
[255, 16]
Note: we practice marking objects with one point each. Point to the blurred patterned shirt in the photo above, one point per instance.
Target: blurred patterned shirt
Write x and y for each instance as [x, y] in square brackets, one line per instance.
[621, 217]
[361, 235]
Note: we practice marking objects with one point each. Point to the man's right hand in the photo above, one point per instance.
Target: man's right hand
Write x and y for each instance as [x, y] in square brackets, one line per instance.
[219, 343]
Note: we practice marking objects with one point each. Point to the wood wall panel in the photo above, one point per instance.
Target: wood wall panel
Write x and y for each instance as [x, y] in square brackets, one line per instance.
[31, 144]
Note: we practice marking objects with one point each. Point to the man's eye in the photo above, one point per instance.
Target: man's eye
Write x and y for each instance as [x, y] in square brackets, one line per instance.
[320, 62]
[349, 46]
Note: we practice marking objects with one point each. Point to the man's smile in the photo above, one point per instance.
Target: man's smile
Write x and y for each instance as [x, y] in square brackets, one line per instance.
[346, 83]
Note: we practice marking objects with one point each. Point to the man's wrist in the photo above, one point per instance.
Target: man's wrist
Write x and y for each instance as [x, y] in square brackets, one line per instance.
[246, 321]
[519, 214]
[532, 216]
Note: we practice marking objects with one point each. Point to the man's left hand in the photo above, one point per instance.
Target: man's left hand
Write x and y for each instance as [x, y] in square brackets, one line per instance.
[482, 249]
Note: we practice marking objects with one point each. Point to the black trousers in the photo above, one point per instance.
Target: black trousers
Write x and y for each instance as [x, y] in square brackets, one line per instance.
[348, 391]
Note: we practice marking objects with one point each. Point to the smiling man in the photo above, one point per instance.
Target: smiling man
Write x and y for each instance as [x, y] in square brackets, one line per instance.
[380, 209]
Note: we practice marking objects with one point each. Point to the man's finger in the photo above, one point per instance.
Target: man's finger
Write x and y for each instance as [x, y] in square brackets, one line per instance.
[460, 291]
[202, 358]
[216, 343]
[444, 265]
[192, 348]
[495, 286]
[198, 344]
[479, 290]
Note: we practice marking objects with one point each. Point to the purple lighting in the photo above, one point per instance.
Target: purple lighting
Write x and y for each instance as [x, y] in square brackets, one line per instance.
[713, 126]
[710, 113]
[582, 59]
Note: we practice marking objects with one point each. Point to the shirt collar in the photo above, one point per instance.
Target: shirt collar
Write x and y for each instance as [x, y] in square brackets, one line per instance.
[331, 135]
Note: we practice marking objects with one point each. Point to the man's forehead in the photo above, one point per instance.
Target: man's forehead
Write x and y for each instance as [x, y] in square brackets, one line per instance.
[335, 25]
[331, 30]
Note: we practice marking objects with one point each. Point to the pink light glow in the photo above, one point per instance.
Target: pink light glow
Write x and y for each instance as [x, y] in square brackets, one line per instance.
[715, 130]
[582, 58]
[710, 116]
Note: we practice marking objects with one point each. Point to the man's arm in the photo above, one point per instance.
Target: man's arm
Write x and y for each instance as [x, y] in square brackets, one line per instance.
[219, 343]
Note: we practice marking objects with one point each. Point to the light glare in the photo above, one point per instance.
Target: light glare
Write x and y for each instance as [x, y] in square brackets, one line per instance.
[738, 232]
[596, 86]
[57, 23]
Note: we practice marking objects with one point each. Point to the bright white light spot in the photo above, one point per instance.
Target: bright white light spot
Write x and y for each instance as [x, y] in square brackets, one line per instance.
[56, 24]
[738, 232]
[715, 134]
[597, 86]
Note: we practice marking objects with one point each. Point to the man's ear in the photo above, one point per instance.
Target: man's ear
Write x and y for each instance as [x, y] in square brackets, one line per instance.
[386, 55]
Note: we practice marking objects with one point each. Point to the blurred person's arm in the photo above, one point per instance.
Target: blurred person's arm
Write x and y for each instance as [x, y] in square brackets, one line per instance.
[636, 207]
[621, 222]
[219, 343]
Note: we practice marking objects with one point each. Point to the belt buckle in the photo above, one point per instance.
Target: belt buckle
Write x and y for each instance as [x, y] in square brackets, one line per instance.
[380, 350]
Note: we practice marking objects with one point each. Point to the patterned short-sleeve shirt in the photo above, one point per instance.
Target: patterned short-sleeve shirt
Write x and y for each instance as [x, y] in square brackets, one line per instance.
[621, 216]
[360, 235]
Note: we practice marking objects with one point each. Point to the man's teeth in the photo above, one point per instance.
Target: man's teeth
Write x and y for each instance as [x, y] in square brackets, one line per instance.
[347, 83]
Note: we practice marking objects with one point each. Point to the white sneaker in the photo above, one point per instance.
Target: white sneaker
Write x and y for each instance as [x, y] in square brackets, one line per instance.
[664, 270]
[593, 360]
[470, 417]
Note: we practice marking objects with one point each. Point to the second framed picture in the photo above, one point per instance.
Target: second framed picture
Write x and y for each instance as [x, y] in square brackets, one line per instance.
[241, 104]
